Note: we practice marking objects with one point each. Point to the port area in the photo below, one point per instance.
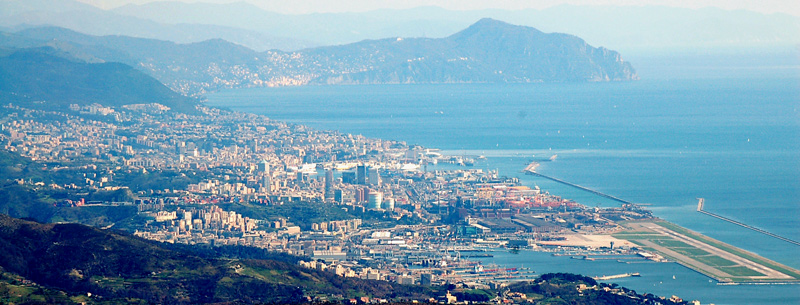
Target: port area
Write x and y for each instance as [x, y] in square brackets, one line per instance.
[725, 263]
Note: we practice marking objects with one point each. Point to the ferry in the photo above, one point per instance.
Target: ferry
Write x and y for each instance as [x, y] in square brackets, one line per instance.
[616, 276]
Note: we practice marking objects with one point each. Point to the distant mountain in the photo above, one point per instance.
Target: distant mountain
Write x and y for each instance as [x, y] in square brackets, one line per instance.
[623, 28]
[10, 8]
[488, 51]
[119, 268]
[91, 20]
[48, 75]
[190, 69]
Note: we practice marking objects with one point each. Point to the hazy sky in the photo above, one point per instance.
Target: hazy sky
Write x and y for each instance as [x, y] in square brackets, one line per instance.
[317, 6]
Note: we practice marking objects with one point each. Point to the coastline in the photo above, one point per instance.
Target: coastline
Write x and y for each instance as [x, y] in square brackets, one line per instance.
[669, 204]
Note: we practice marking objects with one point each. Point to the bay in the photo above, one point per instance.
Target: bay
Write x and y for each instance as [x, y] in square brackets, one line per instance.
[733, 141]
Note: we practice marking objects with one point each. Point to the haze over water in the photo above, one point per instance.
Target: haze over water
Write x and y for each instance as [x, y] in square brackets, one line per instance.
[731, 137]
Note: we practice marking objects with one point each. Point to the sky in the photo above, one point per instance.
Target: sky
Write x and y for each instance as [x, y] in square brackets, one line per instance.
[326, 6]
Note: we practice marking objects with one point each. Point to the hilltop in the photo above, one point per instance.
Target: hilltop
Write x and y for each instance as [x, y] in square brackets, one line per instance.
[488, 51]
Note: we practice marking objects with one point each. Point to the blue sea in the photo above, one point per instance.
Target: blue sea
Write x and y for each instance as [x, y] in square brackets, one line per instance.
[729, 136]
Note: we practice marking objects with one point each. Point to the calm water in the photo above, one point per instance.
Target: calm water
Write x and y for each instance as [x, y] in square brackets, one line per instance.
[733, 141]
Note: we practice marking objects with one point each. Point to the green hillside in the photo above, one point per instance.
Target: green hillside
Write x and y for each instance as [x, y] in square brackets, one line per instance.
[43, 75]
[78, 259]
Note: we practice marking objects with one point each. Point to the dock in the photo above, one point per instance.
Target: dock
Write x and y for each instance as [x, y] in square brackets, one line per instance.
[701, 205]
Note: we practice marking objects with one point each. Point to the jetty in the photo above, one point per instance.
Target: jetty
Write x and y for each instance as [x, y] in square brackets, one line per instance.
[531, 170]
[531, 167]
[701, 205]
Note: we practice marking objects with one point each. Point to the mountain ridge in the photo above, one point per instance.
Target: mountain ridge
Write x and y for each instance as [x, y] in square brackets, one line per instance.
[488, 51]
[624, 28]
[88, 19]
[46, 75]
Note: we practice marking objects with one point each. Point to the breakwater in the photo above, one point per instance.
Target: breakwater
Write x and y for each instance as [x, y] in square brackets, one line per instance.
[530, 170]
[701, 205]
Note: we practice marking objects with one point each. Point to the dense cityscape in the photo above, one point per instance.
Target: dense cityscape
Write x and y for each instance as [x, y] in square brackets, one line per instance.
[367, 152]
[377, 211]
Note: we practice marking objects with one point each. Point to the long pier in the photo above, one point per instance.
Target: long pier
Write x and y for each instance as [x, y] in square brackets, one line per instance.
[533, 172]
[701, 205]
